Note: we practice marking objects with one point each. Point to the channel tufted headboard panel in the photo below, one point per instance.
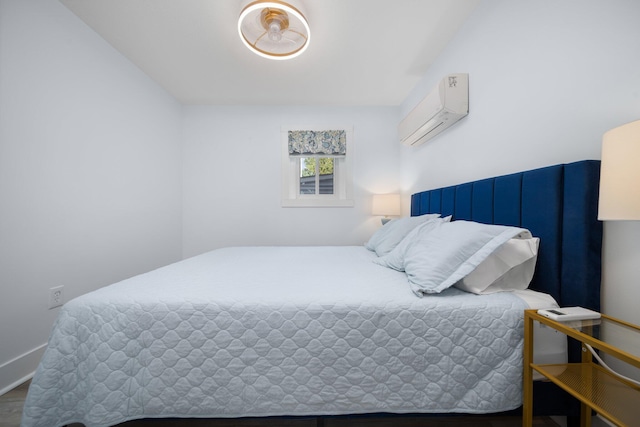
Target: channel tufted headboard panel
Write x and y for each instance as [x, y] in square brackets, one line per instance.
[558, 204]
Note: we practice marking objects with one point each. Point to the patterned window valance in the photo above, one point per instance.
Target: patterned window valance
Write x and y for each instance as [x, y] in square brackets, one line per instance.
[314, 143]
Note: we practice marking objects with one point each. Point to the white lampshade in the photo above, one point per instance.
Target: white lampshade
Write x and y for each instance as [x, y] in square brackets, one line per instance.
[620, 174]
[386, 204]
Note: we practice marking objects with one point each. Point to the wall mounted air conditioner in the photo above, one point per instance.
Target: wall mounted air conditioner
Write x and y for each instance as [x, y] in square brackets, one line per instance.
[446, 104]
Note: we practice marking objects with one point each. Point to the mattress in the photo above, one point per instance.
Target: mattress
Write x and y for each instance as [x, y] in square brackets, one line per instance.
[267, 331]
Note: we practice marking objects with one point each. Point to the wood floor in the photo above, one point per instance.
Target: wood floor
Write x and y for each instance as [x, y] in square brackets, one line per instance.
[11, 409]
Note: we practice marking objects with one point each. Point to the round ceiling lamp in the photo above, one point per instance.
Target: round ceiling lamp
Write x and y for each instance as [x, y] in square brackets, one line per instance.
[274, 29]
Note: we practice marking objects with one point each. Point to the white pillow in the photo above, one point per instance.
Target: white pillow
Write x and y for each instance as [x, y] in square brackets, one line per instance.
[442, 255]
[392, 233]
[510, 267]
[395, 258]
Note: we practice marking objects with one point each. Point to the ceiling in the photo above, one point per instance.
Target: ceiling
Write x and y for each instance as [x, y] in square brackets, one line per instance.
[361, 52]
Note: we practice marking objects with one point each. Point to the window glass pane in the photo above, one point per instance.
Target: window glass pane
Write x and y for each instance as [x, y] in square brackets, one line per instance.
[307, 175]
[326, 175]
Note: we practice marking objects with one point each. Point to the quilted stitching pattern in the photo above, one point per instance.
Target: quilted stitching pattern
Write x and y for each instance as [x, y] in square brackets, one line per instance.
[107, 363]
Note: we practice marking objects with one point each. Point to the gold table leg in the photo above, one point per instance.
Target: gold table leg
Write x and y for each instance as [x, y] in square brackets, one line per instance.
[527, 380]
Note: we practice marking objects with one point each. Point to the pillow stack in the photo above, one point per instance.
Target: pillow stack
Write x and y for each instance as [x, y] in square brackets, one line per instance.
[437, 254]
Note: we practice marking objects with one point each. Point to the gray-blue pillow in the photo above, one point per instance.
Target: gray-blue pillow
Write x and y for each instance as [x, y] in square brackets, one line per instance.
[395, 258]
[392, 233]
[440, 256]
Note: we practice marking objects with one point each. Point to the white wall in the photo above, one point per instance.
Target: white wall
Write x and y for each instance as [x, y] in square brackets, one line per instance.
[547, 79]
[232, 177]
[90, 172]
[95, 186]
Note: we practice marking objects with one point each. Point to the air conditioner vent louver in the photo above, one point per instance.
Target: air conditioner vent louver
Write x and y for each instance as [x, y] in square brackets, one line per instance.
[445, 105]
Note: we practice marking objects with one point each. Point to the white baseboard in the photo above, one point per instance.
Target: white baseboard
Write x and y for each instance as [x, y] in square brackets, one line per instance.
[596, 421]
[20, 369]
[599, 421]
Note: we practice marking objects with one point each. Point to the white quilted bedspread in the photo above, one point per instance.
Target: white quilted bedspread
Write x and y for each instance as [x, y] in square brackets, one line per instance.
[276, 331]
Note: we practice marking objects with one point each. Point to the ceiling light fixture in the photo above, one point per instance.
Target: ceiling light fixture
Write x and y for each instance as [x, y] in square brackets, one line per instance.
[274, 29]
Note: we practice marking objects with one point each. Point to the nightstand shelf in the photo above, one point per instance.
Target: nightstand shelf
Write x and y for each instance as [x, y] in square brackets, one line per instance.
[590, 383]
[597, 389]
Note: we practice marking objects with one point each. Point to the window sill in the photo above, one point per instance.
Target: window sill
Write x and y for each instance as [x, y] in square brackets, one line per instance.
[316, 203]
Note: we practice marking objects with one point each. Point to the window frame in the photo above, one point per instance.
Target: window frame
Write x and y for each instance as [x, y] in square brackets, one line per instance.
[342, 174]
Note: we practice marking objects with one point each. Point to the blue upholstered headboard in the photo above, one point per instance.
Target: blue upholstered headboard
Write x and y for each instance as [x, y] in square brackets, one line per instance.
[558, 204]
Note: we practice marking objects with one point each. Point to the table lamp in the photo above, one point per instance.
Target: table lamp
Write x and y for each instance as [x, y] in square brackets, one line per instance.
[386, 205]
[620, 174]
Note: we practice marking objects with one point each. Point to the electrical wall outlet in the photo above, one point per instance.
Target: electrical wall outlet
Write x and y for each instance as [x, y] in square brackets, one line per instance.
[56, 296]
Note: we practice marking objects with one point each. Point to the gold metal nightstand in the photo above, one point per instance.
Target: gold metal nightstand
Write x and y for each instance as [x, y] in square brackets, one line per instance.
[613, 398]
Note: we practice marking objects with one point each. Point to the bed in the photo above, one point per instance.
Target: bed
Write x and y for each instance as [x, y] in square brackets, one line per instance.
[271, 331]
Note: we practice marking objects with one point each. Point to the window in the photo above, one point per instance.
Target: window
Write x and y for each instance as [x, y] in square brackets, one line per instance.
[316, 168]
[316, 175]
